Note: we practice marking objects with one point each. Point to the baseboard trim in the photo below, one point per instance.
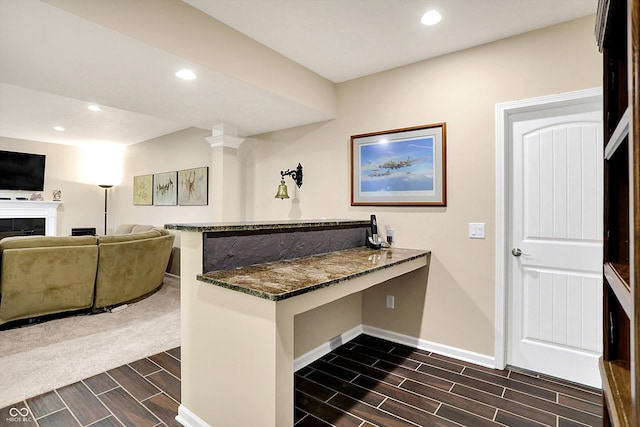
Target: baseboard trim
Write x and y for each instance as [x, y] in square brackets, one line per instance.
[445, 350]
[325, 348]
[189, 419]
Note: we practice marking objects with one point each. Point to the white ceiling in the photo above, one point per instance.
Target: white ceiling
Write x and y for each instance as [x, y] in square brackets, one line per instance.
[53, 64]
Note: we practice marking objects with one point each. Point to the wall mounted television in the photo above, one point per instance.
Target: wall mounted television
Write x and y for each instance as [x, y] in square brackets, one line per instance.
[21, 171]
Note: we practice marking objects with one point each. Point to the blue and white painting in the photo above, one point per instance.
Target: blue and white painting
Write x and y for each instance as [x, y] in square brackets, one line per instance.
[397, 166]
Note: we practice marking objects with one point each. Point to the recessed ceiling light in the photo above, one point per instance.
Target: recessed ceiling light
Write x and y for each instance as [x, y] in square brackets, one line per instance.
[432, 17]
[58, 128]
[94, 107]
[186, 74]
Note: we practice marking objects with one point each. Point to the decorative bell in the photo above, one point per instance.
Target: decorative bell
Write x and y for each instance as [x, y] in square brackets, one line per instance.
[282, 191]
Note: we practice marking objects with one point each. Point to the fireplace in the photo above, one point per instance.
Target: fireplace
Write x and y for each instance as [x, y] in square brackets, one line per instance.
[22, 227]
[26, 217]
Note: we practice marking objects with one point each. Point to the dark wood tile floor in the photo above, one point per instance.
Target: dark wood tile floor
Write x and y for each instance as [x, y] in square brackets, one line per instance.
[372, 382]
[364, 383]
[144, 393]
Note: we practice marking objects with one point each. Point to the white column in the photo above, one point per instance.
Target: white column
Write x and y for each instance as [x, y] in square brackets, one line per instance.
[225, 180]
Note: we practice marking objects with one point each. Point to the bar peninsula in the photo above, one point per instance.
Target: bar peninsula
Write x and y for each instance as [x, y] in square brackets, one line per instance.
[242, 284]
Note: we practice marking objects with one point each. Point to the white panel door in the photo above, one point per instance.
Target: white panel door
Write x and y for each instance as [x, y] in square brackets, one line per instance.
[555, 289]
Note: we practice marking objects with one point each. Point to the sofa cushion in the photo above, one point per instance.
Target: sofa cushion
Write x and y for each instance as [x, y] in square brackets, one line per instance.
[18, 242]
[124, 229]
[132, 228]
[140, 228]
[116, 238]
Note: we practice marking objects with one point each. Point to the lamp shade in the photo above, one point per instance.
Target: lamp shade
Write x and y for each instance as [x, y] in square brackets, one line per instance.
[101, 164]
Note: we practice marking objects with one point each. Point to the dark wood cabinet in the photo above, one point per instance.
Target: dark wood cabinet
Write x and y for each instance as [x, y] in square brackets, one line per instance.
[618, 33]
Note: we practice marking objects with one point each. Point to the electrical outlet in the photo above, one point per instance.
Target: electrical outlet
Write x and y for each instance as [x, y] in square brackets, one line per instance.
[391, 300]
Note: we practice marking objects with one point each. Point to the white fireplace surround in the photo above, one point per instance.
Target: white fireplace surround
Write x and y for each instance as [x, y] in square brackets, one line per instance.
[32, 209]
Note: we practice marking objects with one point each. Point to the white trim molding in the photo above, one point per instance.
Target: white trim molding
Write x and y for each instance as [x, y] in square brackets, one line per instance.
[505, 113]
[328, 347]
[445, 350]
[442, 349]
[224, 135]
[189, 419]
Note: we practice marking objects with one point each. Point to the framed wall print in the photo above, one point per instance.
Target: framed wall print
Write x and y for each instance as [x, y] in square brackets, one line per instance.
[193, 187]
[165, 189]
[143, 190]
[400, 167]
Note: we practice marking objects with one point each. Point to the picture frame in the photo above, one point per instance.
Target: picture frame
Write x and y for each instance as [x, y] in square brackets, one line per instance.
[143, 190]
[193, 187]
[165, 189]
[400, 167]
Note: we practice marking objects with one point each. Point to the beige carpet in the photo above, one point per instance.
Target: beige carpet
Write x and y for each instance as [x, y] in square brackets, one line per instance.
[38, 358]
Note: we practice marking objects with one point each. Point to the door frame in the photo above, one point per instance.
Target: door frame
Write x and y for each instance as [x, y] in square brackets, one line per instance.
[504, 113]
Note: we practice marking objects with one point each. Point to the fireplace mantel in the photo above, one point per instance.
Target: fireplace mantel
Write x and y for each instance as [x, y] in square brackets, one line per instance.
[32, 209]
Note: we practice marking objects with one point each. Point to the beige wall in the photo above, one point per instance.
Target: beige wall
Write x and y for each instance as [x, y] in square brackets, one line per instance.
[83, 201]
[321, 324]
[185, 149]
[461, 89]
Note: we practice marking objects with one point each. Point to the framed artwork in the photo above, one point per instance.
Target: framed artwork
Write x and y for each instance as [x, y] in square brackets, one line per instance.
[143, 190]
[399, 167]
[193, 187]
[165, 189]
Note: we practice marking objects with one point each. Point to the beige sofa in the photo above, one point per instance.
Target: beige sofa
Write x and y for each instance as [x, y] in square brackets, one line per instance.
[42, 275]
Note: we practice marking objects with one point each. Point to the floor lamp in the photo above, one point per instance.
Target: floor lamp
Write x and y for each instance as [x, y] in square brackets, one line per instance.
[106, 187]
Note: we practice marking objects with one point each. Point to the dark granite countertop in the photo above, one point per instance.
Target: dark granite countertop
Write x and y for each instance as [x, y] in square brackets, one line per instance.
[279, 280]
[265, 225]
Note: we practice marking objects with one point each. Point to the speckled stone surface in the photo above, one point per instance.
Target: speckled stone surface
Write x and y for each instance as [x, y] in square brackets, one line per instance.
[284, 279]
[214, 227]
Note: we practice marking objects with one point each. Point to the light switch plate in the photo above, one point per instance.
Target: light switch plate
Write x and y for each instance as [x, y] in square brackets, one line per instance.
[476, 230]
[391, 301]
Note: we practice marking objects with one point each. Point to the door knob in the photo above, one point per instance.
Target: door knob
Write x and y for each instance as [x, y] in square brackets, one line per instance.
[517, 252]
